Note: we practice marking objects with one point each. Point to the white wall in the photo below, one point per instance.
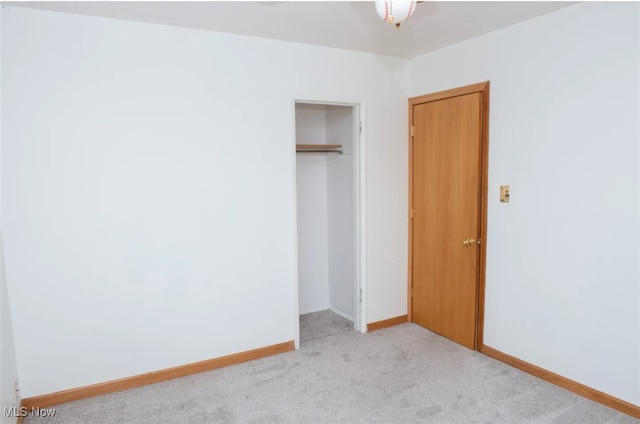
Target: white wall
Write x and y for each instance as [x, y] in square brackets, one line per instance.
[348, 77]
[149, 191]
[340, 213]
[8, 364]
[562, 281]
[313, 233]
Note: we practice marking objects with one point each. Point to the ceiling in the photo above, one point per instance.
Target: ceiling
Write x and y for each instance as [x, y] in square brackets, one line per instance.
[341, 24]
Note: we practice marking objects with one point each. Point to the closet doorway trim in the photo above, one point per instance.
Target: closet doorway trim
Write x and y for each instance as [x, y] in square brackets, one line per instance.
[359, 142]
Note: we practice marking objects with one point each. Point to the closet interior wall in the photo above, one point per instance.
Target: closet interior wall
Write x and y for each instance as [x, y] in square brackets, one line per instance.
[325, 190]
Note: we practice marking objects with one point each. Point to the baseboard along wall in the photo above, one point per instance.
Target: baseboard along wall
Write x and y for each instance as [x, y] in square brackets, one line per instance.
[70, 395]
[379, 325]
[565, 383]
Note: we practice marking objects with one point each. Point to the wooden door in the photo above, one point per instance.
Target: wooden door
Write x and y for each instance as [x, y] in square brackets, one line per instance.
[448, 184]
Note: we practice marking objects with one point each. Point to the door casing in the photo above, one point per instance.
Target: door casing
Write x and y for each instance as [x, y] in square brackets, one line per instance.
[359, 143]
[482, 88]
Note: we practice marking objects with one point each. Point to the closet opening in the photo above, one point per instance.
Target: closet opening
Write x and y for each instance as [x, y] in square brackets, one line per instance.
[329, 215]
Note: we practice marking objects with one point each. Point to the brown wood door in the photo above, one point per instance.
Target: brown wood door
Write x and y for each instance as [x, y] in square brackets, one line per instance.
[447, 203]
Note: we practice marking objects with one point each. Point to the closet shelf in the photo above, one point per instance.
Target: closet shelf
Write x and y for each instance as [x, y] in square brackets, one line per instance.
[319, 148]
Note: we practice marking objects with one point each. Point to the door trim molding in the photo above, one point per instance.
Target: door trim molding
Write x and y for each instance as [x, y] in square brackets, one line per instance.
[360, 202]
[482, 88]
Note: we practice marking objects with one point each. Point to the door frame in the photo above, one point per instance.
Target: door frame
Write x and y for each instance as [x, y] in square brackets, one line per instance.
[359, 178]
[483, 88]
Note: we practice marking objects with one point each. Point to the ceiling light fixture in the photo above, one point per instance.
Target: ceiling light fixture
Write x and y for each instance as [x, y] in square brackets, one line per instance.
[395, 11]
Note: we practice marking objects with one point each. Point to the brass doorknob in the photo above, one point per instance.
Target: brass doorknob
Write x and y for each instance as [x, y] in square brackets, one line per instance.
[469, 242]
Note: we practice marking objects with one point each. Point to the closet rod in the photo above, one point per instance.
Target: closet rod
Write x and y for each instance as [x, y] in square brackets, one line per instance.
[318, 151]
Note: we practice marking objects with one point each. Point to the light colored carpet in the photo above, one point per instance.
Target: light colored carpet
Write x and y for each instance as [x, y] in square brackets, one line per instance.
[322, 324]
[403, 374]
